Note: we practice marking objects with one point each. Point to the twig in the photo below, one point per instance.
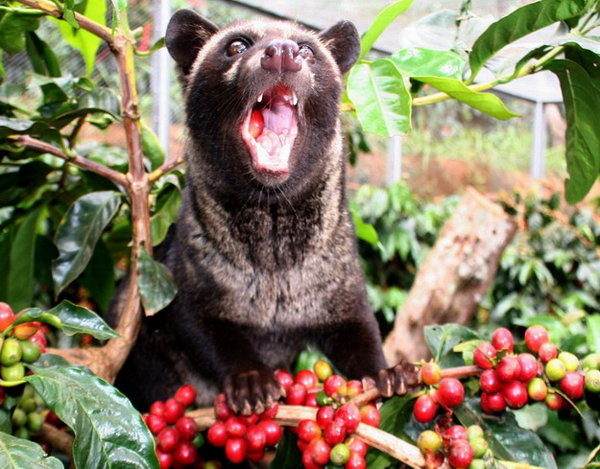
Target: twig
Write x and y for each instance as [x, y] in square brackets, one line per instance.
[59, 439]
[165, 168]
[44, 147]
[52, 9]
[290, 416]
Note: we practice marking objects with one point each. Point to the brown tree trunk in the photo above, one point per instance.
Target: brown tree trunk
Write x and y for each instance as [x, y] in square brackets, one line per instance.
[455, 275]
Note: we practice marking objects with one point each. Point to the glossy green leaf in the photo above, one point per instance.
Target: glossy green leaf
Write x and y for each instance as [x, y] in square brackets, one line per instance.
[12, 27]
[378, 91]
[287, 455]
[364, 231]
[151, 147]
[381, 23]
[41, 55]
[17, 453]
[109, 432]
[581, 96]
[593, 332]
[488, 103]
[86, 42]
[74, 319]
[417, 61]
[519, 23]
[78, 233]
[507, 440]
[156, 284]
[167, 208]
[20, 282]
[98, 278]
[395, 413]
[441, 339]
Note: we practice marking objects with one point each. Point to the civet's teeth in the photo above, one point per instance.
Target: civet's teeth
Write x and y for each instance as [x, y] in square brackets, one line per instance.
[294, 99]
[260, 98]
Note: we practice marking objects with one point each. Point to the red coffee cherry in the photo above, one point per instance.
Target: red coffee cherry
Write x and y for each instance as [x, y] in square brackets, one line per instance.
[508, 369]
[158, 408]
[165, 460]
[493, 403]
[572, 385]
[186, 428]
[358, 446]
[307, 430]
[155, 423]
[350, 414]
[425, 408]
[217, 434]
[431, 373]
[502, 339]
[489, 382]
[185, 453]
[236, 427]
[484, 356]
[306, 378]
[450, 392]
[355, 461]
[235, 450]
[535, 336]
[222, 410]
[515, 394]
[333, 385]
[460, 454]
[318, 450]
[272, 431]
[284, 378]
[369, 414]
[296, 394]
[555, 401]
[256, 439]
[325, 415]
[455, 432]
[173, 410]
[537, 389]
[335, 432]
[528, 366]
[186, 395]
[167, 439]
[547, 351]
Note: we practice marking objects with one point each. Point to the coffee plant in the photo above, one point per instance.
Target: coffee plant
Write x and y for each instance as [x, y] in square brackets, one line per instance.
[77, 217]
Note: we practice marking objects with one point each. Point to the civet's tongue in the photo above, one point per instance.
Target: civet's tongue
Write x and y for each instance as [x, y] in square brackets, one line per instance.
[270, 141]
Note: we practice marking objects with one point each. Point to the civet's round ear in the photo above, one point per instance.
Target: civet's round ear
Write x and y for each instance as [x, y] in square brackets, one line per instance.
[187, 32]
[343, 42]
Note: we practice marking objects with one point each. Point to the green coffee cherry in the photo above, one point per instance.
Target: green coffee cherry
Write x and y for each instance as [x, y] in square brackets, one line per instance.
[477, 464]
[591, 362]
[22, 432]
[35, 421]
[28, 405]
[555, 369]
[571, 361]
[14, 372]
[480, 447]
[11, 352]
[31, 351]
[474, 432]
[339, 454]
[19, 417]
[592, 380]
[52, 320]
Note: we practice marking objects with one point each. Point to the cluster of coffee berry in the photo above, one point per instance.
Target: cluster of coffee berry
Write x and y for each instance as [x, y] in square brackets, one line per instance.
[329, 438]
[176, 436]
[461, 447]
[512, 380]
[243, 437]
[23, 343]
[445, 392]
[28, 414]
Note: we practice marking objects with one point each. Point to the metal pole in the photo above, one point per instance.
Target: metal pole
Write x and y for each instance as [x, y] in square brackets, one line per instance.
[161, 76]
[394, 165]
[538, 150]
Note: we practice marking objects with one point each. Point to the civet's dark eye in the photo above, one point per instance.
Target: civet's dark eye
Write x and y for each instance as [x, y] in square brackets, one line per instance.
[237, 46]
[306, 53]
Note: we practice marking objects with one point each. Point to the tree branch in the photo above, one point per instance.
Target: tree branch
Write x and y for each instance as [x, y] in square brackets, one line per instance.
[44, 147]
[52, 9]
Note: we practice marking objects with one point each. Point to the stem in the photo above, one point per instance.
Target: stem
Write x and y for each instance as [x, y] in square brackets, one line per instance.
[44, 147]
[290, 416]
[165, 168]
[89, 25]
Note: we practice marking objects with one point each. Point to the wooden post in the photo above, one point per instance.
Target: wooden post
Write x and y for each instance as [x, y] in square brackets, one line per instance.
[455, 275]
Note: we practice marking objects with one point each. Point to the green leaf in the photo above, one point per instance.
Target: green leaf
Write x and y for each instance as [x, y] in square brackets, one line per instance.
[80, 320]
[2, 70]
[41, 55]
[167, 207]
[485, 102]
[86, 42]
[381, 23]
[507, 440]
[441, 339]
[12, 27]
[98, 278]
[78, 233]
[17, 453]
[418, 61]
[395, 413]
[364, 231]
[151, 147]
[287, 455]
[109, 432]
[383, 104]
[581, 95]
[156, 284]
[20, 283]
[519, 23]
[593, 332]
